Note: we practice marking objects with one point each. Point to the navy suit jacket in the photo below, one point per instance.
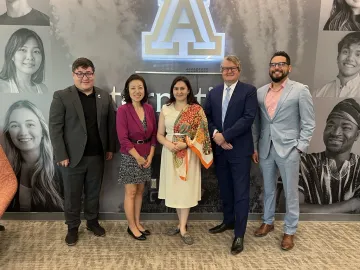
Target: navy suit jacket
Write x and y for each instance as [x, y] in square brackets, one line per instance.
[239, 118]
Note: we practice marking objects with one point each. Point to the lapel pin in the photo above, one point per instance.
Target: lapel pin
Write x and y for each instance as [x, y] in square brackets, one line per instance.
[99, 96]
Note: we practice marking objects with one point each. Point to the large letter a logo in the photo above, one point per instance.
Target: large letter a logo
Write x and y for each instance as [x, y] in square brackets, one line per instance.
[183, 29]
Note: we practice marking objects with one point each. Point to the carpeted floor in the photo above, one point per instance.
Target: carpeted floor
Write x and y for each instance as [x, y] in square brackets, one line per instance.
[40, 245]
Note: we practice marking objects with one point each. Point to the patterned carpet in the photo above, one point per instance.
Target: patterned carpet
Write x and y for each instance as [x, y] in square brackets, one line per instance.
[40, 245]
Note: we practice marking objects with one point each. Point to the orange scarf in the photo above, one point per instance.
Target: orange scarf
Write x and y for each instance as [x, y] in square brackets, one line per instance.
[192, 123]
[8, 182]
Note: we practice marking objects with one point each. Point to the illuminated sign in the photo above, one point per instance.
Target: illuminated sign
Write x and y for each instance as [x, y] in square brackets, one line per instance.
[183, 30]
[200, 96]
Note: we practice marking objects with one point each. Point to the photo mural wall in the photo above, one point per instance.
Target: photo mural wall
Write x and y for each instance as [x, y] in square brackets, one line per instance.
[160, 39]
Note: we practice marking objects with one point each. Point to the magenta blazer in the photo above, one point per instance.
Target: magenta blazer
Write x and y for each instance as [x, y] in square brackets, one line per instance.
[129, 126]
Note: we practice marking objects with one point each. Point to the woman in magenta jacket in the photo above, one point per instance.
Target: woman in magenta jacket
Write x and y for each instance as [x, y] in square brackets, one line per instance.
[136, 129]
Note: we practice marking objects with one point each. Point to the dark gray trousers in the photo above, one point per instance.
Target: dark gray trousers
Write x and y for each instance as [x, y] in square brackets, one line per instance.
[85, 178]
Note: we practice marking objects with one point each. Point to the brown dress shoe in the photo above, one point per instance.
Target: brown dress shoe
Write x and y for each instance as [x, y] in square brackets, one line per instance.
[264, 230]
[287, 242]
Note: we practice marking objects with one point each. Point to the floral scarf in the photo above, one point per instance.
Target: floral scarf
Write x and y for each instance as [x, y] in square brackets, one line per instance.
[192, 123]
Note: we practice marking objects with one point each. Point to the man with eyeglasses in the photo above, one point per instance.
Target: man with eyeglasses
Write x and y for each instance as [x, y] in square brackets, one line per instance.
[282, 131]
[83, 135]
[230, 109]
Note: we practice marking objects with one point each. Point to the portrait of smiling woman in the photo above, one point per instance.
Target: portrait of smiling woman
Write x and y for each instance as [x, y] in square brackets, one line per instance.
[24, 63]
[28, 148]
[344, 16]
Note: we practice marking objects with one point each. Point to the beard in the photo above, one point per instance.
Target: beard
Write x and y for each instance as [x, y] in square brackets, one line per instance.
[278, 79]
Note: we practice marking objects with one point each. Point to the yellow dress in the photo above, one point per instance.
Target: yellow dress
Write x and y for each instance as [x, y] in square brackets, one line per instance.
[178, 193]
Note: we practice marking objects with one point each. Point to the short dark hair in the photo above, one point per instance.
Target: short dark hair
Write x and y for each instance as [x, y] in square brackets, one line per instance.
[190, 98]
[282, 53]
[84, 63]
[126, 94]
[349, 39]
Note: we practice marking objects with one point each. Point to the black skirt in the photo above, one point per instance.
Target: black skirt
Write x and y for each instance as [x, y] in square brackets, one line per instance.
[130, 172]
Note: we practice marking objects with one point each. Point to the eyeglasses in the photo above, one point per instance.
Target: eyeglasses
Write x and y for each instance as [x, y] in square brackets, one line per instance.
[232, 69]
[81, 75]
[280, 64]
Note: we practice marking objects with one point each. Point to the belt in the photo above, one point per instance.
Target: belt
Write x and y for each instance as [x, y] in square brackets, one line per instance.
[173, 134]
[140, 141]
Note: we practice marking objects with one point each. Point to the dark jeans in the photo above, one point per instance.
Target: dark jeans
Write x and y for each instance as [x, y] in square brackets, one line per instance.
[86, 176]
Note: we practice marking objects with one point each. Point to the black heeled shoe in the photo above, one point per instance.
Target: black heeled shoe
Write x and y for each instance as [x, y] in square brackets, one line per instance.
[142, 237]
[146, 232]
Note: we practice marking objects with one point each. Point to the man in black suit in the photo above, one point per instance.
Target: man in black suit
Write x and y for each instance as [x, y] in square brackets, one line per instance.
[231, 109]
[83, 134]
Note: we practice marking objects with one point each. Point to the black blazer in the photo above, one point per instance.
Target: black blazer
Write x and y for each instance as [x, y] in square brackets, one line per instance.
[68, 128]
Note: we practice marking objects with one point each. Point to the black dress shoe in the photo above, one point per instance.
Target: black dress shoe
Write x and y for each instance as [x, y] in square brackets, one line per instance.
[95, 228]
[2, 228]
[221, 228]
[237, 245]
[146, 232]
[142, 237]
[72, 237]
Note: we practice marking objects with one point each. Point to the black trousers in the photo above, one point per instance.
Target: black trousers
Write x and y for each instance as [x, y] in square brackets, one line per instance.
[85, 178]
[234, 183]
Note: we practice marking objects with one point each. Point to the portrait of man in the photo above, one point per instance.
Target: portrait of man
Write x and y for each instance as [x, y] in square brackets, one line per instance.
[19, 12]
[347, 82]
[329, 181]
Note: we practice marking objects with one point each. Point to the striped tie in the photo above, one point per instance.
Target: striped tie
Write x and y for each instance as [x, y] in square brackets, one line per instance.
[225, 104]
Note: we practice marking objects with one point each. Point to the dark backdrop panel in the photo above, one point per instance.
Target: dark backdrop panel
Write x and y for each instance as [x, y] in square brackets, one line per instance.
[109, 32]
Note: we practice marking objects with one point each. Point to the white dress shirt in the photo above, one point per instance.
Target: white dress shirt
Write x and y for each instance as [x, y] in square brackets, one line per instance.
[232, 89]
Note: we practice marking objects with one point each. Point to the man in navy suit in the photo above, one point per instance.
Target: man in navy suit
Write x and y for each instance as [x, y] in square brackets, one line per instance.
[231, 109]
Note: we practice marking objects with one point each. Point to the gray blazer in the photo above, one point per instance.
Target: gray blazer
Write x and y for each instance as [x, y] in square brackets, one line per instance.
[292, 125]
[68, 128]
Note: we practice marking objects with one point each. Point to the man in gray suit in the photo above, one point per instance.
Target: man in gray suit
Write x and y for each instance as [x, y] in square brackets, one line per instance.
[83, 134]
[282, 131]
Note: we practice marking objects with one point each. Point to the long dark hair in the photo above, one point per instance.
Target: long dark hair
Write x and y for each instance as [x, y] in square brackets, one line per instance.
[190, 97]
[341, 18]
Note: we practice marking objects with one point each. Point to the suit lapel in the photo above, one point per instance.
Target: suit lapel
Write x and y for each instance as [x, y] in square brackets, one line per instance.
[78, 106]
[234, 96]
[263, 99]
[148, 123]
[136, 117]
[219, 96]
[99, 103]
[284, 94]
